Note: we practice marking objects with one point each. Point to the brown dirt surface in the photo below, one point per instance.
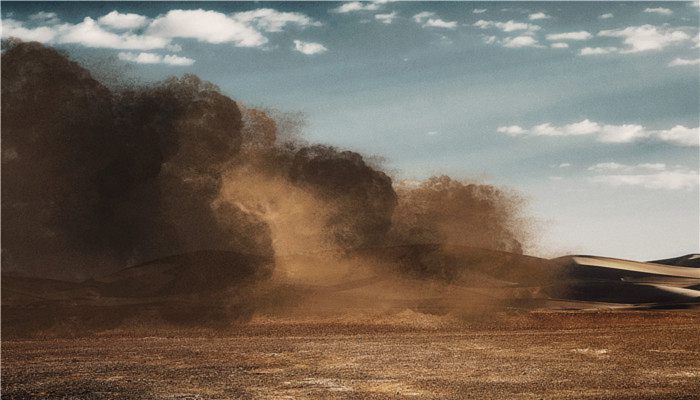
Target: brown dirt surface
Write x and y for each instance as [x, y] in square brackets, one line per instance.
[546, 355]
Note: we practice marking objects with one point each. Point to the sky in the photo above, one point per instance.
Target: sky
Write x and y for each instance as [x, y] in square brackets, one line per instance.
[589, 110]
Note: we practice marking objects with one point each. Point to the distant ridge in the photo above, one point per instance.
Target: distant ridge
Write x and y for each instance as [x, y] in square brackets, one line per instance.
[688, 260]
[621, 266]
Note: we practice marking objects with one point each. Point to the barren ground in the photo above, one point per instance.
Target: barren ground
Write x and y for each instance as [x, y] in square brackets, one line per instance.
[631, 355]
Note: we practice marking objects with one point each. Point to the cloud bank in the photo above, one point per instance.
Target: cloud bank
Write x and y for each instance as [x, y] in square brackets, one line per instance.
[655, 176]
[646, 37]
[128, 31]
[678, 135]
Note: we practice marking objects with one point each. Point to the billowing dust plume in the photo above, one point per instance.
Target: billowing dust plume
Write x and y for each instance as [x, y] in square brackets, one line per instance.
[97, 179]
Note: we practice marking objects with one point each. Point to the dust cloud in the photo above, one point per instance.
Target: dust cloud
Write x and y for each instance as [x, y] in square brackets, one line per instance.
[99, 177]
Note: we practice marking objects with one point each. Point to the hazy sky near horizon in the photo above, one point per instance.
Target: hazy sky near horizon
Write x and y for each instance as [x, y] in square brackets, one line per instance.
[589, 110]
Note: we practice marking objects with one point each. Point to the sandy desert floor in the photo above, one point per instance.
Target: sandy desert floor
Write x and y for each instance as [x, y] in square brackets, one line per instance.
[626, 355]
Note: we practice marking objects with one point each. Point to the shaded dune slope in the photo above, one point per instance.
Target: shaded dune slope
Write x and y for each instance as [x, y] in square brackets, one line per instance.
[216, 289]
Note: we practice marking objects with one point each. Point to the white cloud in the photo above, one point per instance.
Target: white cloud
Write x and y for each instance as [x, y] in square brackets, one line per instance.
[670, 180]
[483, 24]
[152, 58]
[559, 45]
[177, 60]
[509, 26]
[427, 20]
[594, 51]
[116, 30]
[439, 23]
[270, 20]
[205, 26]
[538, 15]
[490, 39]
[521, 41]
[478, 10]
[617, 167]
[564, 165]
[680, 135]
[173, 47]
[309, 48]
[13, 28]
[243, 29]
[513, 130]
[141, 58]
[621, 133]
[678, 62]
[117, 20]
[646, 37]
[606, 166]
[546, 129]
[45, 17]
[354, 6]
[512, 26]
[659, 10]
[606, 16]
[652, 166]
[90, 34]
[606, 133]
[386, 18]
[626, 133]
[648, 176]
[580, 35]
[422, 16]
[524, 38]
[432, 133]
[585, 127]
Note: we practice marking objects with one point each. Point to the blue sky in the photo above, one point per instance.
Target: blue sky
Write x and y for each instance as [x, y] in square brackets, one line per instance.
[589, 110]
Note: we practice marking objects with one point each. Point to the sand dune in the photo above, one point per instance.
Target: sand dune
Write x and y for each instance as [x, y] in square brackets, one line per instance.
[215, 288]
[688, 260]
[649, 268]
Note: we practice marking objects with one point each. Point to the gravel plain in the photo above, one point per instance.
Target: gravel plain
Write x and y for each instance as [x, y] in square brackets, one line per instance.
[620, 355]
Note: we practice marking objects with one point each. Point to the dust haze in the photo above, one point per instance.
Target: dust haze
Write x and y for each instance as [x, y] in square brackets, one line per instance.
[98, 177]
